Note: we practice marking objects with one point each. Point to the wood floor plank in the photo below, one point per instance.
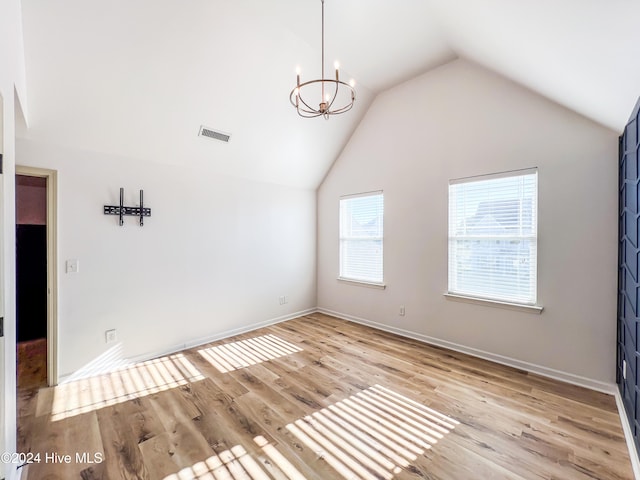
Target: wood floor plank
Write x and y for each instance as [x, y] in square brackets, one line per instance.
[161, 449]
[319, 398]
[123, 459]
[62, 446]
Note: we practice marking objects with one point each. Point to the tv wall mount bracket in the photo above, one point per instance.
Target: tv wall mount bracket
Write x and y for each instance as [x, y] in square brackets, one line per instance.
[122, 211]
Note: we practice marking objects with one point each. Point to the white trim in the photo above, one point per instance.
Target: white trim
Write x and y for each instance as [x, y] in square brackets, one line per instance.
[362, 283]
[204, 340]
[628, 436]
[11, 472]
[494, 303]
[578, 380]
[248, 328]
[491, 176]
[529, 367]
[15, 473]
[361, 194]
[22, 473]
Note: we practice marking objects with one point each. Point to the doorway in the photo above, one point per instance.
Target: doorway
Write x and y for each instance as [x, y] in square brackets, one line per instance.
[31, 281]
[36, 286]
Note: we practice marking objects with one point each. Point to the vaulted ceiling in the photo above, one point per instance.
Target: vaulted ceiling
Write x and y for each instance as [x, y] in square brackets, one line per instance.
[137, 78]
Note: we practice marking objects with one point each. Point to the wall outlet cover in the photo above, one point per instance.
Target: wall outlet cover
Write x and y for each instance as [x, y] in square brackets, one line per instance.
[110, 336]
[73, 265]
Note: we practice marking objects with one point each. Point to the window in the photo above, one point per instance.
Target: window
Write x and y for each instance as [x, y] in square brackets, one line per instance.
[361, 227]
[493, 236]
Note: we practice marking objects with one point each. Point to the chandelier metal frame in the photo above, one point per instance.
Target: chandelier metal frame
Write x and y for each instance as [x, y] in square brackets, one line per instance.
[330, 88]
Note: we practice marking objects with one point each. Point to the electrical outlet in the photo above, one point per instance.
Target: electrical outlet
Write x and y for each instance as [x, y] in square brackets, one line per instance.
[110, 336]
[402, 310]
[283, 299]
[73, 265]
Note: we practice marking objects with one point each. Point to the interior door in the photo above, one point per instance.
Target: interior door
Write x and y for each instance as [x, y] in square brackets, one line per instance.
[628, 358]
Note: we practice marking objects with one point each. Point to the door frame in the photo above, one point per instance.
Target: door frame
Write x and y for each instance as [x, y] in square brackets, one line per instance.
[4, 468]
[51, 177]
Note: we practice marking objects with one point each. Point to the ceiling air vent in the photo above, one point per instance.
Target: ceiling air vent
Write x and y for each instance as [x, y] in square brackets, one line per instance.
[214, 134]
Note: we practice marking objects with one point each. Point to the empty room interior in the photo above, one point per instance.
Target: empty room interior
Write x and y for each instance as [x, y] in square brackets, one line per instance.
[319, 239]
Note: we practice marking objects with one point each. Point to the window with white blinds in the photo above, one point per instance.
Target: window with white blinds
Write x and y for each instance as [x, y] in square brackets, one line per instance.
[361, 232]
[493, 237]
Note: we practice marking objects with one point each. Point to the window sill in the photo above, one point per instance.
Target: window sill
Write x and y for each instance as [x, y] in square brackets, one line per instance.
[537, 309]
[362, 283]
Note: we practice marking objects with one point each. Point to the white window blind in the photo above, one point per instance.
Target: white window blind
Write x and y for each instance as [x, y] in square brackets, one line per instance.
[361, 232]
[493, 237]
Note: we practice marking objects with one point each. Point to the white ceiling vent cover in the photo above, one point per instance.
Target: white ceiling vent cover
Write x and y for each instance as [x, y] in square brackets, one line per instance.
[213, 134]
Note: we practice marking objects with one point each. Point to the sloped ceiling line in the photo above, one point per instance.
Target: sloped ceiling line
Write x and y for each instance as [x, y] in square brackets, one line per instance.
[132, 78]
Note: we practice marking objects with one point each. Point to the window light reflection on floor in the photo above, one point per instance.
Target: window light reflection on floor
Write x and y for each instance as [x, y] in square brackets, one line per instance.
[244, 353]
[278, 460]
[133, 381]
[374, 434]
[237, 463]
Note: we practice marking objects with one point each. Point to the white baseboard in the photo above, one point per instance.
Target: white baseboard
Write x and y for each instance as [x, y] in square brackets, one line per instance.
[15, 473]
[628, 435]
[511, 362]
[219, 336]
[198, 341]
[611, 389]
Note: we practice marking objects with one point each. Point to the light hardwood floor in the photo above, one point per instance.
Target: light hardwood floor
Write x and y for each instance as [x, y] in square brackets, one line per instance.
[318, 398]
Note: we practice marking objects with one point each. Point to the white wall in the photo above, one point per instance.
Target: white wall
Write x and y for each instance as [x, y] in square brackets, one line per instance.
[215, 256]
[461, 120]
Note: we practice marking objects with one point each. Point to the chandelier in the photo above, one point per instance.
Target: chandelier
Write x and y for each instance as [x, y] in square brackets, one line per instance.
[335, 95]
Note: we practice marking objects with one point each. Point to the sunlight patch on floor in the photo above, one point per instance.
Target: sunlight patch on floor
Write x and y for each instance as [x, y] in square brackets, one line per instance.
[244, 353]
[133, 381]
[375, 434]
[237, 464]
[372, 435]
[278, 460]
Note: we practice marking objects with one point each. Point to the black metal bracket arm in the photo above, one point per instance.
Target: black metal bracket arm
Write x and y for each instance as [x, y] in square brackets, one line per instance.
[122, 211]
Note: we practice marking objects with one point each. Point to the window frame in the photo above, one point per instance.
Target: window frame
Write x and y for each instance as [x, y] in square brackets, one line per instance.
[347, 238]
[454, 292]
